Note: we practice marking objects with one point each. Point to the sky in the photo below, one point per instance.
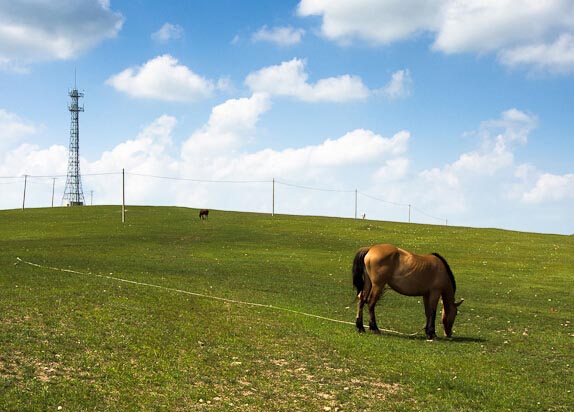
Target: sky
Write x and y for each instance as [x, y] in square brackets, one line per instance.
[445, 112]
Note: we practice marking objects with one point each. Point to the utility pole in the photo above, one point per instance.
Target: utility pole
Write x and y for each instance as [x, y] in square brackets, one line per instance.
[53, 187]
[123, 196]
[24, 197]
[355, 203]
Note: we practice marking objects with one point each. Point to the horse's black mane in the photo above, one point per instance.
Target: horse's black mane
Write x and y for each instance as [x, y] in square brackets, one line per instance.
[448, 270]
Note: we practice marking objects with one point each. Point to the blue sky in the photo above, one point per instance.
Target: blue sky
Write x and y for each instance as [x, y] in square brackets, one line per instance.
[460, 109]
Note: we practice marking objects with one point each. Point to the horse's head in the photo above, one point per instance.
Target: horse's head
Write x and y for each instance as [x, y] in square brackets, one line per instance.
[449, 313]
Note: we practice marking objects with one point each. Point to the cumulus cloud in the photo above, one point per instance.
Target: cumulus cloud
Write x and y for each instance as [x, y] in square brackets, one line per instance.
[291, 79]
[491, 168]
[393, 170]
[282, 36]
[146, 153]
[511, 129]
[376, 21]
[227, 129]
[326, 160]
[168, 32]
[162, 78]
[551, 188]
[498, 140]
[53, 30]
[32, 159]
[485, 168]
[13, 129]
[399, 87]
[477, 185]
[521, 33]
[217, 149]
[480, 26]
[556, 57]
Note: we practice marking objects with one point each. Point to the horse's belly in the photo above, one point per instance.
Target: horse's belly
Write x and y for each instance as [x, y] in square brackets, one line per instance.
[408, 287]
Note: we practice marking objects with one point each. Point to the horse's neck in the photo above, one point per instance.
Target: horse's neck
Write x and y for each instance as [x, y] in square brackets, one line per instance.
[448, 300]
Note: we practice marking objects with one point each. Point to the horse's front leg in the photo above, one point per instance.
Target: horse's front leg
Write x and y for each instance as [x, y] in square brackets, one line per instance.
[431, 302]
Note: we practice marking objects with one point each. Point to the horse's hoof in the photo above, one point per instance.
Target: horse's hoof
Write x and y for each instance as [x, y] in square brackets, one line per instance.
[376, 331]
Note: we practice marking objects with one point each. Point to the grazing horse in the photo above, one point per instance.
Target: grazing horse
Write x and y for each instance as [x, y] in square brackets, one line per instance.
[203, 214]
[428, 276]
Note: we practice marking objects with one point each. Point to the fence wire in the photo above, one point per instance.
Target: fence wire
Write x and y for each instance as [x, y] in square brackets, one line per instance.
[273, 196]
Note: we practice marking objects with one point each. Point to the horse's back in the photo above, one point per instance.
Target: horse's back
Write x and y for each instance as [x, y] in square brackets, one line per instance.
[405, 272]
[381, 260]
[383, 249]
[381, 252]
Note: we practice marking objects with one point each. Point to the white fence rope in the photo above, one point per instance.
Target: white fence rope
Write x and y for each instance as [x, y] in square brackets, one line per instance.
[204, 296]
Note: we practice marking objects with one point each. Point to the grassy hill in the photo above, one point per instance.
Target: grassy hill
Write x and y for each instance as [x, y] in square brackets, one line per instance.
[87, 340]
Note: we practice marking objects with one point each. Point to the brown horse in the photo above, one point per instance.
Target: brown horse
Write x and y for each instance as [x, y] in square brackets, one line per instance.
[203, 214]
[428, 276]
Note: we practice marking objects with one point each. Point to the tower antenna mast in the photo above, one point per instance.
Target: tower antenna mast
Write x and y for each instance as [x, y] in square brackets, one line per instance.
[73, 193]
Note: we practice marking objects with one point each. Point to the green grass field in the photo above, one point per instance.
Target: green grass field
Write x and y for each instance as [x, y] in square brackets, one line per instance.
[89, 342]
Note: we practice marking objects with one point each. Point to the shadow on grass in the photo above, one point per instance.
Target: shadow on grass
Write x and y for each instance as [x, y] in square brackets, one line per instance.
[422, 337]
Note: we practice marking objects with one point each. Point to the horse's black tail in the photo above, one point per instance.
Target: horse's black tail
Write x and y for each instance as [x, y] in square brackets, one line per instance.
[359, 269]
[448, 270]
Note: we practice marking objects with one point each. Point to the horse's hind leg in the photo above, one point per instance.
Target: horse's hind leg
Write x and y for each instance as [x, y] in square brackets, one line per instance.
[360, 304]
[362, 299]
[373, 299]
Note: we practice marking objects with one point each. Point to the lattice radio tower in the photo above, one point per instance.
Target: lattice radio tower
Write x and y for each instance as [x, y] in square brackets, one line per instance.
[73, 194]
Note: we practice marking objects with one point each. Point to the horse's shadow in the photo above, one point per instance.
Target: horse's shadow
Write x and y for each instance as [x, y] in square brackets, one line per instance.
[421, 337]
[464, 339]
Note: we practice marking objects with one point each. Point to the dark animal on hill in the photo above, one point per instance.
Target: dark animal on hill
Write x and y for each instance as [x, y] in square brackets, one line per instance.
[204, 214]
[409, 274]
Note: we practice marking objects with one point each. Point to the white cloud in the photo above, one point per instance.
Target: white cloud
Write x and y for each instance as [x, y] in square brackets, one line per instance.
[511, 129]
[485, 186]
[146, 153]
[394, 170]
[376, 21]
[556, 57]
[399, 87]
[524, 32]
[290, 79]
[498, 139]
[53, 30]
[227, 129]
[485, 177]
[358, 146]
[168, 32]
[551, 188]
[162, 78]
[12, 66]
[31, 159]
[282, 36]
[483, 26]
[327, 160]
[13, 129]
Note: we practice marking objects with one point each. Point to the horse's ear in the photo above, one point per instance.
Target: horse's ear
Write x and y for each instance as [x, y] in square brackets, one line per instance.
[459, 303]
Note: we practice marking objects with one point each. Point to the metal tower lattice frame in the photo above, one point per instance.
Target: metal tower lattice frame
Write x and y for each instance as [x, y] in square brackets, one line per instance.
[73, 193]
